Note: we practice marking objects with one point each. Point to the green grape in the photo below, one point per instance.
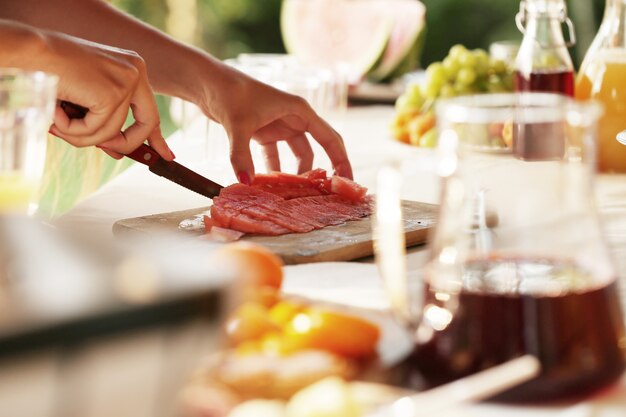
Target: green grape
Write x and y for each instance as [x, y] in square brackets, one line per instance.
[451, 66]
[462, 90]
[467, 59]
[436, 73]
[507, 80]
[457, 50]
[466, 76]
[409, 101]
[431, 90]
[429, 139]
[482, 61]
[480, 85]
[414, 90]
[499, 66]
[494, 85]
[447, 91]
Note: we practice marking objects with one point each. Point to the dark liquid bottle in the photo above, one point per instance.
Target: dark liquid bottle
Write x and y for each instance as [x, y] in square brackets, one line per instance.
[577, 336]
[546, 81]
[543, 63]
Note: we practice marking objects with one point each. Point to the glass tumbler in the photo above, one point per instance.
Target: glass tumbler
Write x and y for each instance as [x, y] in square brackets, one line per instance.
[518, 263]
[27, 101]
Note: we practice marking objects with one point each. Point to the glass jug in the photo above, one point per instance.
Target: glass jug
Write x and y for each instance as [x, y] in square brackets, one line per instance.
[602, 78]
[517, 264]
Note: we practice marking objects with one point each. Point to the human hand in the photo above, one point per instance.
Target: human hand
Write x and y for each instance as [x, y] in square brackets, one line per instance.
[107, 82]
[249, 109]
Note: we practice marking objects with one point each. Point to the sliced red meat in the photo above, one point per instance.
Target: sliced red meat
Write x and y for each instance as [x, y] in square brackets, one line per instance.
[289, 192]
[309, 207]
[347, 188]
[246, 193]
[274, 215]
[221, 216]
[208, 224]
[274, 178]
[322, 184]
[315, 174]
[247, 224]
[281, 203]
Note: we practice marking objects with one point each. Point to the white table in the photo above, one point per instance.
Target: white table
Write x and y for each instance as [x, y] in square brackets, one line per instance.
[137, 192]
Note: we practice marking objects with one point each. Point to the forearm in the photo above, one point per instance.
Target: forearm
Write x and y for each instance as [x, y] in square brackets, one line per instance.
[173, 67]
[21, 47]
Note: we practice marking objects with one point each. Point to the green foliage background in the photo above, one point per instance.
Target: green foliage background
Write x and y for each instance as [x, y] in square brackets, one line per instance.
[227, 28]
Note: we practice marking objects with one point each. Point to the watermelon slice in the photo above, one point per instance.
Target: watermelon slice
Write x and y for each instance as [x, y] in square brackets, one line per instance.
[409, 22]
[330, 32]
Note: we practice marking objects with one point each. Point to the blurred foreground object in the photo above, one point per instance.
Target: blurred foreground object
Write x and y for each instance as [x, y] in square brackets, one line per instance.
[27, 102]
[602, 77]
[377, 38]
[88, 329]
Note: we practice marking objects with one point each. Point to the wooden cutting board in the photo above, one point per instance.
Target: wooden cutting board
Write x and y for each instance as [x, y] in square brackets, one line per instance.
[345, 242]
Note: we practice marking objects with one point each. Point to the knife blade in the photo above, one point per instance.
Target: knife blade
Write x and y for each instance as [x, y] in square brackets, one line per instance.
[175, 172]
[146, 155]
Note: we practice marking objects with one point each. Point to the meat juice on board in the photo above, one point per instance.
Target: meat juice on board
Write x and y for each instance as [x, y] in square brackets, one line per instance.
[511, 307]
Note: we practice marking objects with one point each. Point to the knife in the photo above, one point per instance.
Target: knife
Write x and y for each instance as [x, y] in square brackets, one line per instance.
[146, 155]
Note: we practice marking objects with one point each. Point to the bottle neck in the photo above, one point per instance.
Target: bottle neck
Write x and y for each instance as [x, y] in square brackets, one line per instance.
[545, 30]
[543, 47]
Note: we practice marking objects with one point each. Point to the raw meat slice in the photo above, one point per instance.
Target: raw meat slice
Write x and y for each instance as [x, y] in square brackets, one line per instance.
[276, 216]
[315, 174]
[316, 211]
[274, 178]
[244, 223]
[347, 188]
[281, 203]
[289, 193]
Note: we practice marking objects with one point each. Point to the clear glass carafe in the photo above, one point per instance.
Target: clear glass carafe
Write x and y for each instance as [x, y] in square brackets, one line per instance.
[518, 262]
[543, 63]
[602, 77]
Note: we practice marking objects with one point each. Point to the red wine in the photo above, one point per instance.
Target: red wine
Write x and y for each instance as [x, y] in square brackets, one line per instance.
[547, 82]
[509, 308]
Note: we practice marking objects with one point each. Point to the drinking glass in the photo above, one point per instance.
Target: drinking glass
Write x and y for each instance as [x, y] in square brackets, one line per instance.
[27, 101]
[517, 263]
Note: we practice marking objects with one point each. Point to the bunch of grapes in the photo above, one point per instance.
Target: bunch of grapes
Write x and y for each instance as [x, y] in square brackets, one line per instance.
[462, 72]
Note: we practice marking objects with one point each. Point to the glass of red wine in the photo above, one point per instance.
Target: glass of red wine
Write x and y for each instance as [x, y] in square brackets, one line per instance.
[518, 262]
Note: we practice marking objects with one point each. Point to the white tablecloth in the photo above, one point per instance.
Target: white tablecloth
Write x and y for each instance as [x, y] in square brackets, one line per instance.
[137, 192]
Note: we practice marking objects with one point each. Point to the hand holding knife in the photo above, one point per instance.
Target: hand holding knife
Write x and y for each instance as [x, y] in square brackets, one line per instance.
[170, 170]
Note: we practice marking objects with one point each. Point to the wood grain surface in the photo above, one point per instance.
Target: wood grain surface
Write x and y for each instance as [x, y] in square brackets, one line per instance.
[345, 242]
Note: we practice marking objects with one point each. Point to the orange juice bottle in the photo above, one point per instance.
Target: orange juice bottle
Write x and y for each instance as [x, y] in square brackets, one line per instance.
[602, 77]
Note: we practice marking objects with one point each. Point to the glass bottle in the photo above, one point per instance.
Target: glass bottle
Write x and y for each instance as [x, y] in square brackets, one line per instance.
[543, 62]
[602, 77]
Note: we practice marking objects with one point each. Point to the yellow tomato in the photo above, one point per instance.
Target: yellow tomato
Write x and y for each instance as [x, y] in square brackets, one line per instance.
[249, 322]
[335, 332]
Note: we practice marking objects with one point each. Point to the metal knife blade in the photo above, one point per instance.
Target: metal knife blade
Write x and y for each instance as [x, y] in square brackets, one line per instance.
[175, 172]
